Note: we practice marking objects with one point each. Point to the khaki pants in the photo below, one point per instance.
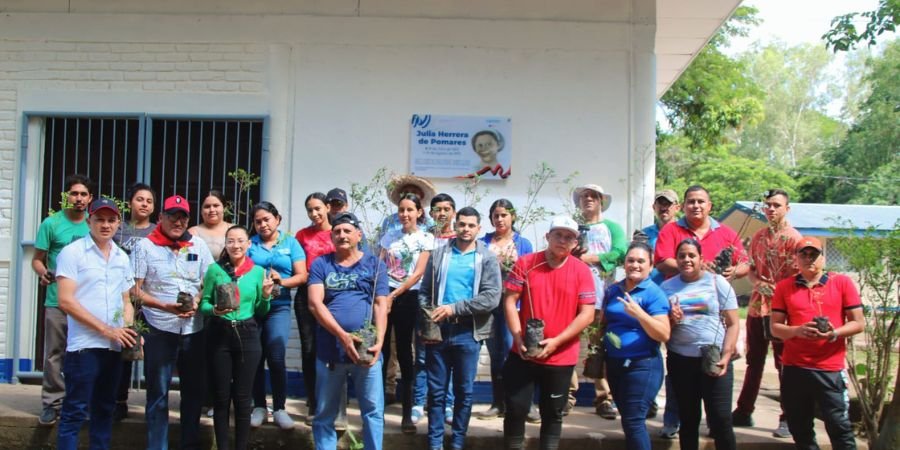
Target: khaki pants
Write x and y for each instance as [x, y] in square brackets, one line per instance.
[601, 390]
[53, 388]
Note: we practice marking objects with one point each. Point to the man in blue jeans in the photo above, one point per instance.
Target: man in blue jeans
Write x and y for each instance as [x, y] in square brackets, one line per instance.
[169, 264]
[348, 293]
[93, 277]
[462, 283]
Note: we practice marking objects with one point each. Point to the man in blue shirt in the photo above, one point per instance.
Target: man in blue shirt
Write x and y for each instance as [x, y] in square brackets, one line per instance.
[665, 208]
[464, 289]
[348, 290]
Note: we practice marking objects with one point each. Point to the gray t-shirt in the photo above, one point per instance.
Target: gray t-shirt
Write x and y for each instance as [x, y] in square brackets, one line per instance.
[702, 301]
[127, 236]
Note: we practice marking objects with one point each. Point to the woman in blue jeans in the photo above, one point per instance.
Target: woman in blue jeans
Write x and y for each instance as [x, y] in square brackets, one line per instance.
[285, 262]
[636, 313]
[508, 245]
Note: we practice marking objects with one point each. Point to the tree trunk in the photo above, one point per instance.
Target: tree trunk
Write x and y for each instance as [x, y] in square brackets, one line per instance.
[889, 437]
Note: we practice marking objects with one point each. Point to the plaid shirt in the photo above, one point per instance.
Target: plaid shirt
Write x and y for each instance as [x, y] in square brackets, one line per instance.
[772, 259]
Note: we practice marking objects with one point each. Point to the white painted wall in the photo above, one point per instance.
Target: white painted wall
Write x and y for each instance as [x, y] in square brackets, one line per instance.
[339, 81]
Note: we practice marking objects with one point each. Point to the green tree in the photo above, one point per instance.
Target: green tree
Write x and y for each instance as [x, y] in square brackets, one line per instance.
[870, 144]
[732, 178]
[797, 90]
[844, 36]
[714, 97]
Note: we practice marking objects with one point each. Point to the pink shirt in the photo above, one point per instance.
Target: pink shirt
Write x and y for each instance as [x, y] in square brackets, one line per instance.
[315, 243]
[772, 259]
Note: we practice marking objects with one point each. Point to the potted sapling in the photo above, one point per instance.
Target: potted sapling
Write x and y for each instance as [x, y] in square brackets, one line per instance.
[227, 296]
[723, 260]
[136, 351]
[822, 322]
[367, 335]
[534, 327]
[428, 328]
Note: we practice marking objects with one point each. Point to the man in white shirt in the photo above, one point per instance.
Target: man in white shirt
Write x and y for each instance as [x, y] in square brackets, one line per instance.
[94, 276]
[169, 265]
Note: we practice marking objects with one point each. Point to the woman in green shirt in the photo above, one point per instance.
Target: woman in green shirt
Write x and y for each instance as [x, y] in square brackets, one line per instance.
[233, 335]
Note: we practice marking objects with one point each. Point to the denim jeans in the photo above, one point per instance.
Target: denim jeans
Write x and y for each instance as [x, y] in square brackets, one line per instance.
[234, 353]
[670, 416]
[275, 332]
[330, 380]
[804, 389]
[499, 343]
[520, 378]
[456, 353]
[91, 379]
[693, 386]
[421, 388]
[306, 325]
[634, 383]
[162, 352]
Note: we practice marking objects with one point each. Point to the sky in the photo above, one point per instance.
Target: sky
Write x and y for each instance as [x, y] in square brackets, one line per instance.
[797, 21]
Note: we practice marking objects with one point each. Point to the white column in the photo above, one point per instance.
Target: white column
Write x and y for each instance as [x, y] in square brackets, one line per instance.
[642, 95]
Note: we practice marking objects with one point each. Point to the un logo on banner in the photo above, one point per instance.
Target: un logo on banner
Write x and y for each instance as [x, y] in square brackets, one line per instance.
[421, 121]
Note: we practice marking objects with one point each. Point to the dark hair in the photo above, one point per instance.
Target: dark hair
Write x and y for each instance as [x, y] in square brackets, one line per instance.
[442, 197]
[689, 241]
[224, 261]
[137, 187]
[505, 204]
[213, 193]
[695, 188]
[469, 211]
[417, 201]
[315, 195]
[77, 178]
[264, 206]
[494, 134]
[773, 192]
[640, 245]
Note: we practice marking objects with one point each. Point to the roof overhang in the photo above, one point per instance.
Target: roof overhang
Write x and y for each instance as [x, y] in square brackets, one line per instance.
[683, 27]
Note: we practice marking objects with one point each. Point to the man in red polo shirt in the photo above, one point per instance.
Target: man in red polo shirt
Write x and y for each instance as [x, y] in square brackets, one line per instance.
[813, 359]
[713, 236]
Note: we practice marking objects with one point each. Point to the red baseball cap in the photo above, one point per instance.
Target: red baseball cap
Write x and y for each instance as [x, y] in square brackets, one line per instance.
[809, 242]
[176, 203]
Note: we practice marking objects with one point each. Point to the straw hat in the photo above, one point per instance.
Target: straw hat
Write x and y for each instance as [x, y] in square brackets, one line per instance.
[395, 188]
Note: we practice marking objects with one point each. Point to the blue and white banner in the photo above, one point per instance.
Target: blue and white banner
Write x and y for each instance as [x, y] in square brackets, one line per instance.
[460, 146]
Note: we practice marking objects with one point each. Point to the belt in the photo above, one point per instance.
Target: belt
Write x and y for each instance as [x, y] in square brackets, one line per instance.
[246, 323]
[459, 320]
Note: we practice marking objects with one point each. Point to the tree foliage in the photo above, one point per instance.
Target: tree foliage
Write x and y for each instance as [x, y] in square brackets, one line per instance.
[844, 35]
[714, 96]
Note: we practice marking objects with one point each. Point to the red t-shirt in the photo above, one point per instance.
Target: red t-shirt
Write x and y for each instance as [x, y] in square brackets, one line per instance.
[837, 294]
[315, 243]
[717, 238]
[556, 295]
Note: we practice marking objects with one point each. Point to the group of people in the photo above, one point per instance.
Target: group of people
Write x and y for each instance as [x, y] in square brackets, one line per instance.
[214, 301]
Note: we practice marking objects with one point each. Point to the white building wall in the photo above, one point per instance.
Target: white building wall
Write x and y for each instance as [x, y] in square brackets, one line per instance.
[339, 81]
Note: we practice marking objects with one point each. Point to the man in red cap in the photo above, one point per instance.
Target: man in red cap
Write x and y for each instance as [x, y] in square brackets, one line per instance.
[814, 313]
[169, 265]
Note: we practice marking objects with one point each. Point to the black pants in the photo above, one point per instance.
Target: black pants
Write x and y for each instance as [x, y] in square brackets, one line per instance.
[306, 325]
[800, 390]
[234, 351]
[519, 379]
[402, 319]
[691, 386]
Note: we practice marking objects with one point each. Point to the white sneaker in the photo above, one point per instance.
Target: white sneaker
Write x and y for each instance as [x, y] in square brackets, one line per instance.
[283, 420]
[782, 431]
[448, 415]
[258, 417]
[418, 412]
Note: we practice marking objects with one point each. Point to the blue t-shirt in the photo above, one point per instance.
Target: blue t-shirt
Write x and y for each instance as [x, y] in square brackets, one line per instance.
[280, 258]
[460, 276]
[652, 233]
[701, 301]
[348, 296]
[635, 343]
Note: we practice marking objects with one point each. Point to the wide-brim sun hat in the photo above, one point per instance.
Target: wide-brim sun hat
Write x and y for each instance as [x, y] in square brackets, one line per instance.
[605, 199]
[394, 191]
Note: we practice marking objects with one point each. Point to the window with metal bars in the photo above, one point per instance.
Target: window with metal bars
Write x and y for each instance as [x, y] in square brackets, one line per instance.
[182, 156]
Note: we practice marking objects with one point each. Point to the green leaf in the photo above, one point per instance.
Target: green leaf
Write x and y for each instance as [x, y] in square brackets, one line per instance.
[861, 370]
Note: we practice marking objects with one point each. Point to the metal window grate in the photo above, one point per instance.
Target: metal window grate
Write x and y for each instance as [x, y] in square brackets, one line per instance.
[105, 149]
[192, 157]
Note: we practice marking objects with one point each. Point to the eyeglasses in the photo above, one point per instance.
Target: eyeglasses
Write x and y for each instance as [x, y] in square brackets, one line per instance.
[176, 217]
[234, 242]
